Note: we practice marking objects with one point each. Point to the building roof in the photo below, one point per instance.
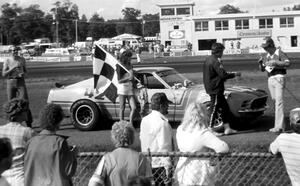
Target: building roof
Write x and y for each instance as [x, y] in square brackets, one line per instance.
[248, 15]
[176, 3]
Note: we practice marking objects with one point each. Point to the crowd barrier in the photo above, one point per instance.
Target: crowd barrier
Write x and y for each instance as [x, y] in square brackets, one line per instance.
[61, 59]
[230, 169]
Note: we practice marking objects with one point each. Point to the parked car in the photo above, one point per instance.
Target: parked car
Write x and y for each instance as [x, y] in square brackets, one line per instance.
[87, 112]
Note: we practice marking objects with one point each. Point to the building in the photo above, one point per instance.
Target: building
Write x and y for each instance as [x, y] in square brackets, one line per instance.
[240, 33]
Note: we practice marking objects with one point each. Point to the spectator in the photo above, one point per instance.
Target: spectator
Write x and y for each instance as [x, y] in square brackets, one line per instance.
[6, 154]
[275, 63]
[138, 52]
[214, 77]
[156, 136]
[193, 135]
[14, 69]
[142, 95]
[122, 164]
[49, 160]
[125, 87]
[16, 110]
[289, 147]
[150, 48]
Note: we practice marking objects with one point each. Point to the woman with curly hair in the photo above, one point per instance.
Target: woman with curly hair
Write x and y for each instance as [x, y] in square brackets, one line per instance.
[16, 112]
[49, 160]
[193, 135]
[125, 87]
[122, 164]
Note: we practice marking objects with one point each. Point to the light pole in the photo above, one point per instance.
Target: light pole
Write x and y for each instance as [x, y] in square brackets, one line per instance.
[56, 26]
[143, 27]
[76, 30]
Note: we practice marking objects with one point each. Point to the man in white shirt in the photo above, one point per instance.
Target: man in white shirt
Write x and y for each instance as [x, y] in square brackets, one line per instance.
[289, 146]
[156, 136]
[275, 63]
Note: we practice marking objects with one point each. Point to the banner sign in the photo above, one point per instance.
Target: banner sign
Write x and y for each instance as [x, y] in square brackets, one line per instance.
[254, 33]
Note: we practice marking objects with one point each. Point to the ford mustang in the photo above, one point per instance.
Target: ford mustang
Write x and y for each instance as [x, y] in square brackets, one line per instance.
[87, 112]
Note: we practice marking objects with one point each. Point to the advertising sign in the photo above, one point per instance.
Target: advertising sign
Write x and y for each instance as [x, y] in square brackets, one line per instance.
[176, 34]
[254, 33]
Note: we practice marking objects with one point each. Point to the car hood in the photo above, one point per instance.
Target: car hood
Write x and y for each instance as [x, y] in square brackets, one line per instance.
[242, 91]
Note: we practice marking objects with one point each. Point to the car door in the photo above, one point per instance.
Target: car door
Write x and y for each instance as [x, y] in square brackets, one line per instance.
[154, 85]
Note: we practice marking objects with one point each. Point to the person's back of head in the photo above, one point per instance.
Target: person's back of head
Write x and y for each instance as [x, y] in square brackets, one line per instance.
[195, 117]
[15, 109]
[217, 48]
[158, 99]
[295, 120]
[122, 134]
[6, 154]
[51, 116]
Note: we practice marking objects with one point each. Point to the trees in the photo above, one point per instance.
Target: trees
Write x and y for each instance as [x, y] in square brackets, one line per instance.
[96, 27]
[9, 14]
[65, 14]
[229, 9]
[131, 23]
[82, 28]
[30, 24]
[295, 7]
[22, 25]
[151, 24]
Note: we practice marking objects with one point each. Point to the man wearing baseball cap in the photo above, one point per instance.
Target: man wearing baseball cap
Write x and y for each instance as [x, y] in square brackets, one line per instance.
[156, 136]
[288, 144]
[275, 63]
[214, 77]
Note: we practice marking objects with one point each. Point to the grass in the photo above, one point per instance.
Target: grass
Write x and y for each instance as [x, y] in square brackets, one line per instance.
[258, 141]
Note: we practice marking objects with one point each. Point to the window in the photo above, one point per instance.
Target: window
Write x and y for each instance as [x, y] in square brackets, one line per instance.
[176, 27]
[167, 11]
[153, 83]
[242, 24]
[183, 11]
[201, 26]
[286, 22]
[206, 44]
[266, 23]
[221, 25]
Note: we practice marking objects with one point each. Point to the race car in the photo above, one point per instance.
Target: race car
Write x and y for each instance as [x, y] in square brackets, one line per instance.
[88, 112]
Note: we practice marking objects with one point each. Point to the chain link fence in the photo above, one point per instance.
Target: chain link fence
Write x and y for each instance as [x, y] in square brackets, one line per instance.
[224, 169]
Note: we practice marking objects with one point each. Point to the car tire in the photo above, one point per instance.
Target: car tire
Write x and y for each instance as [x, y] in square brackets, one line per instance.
[85, 115]
[218, 122]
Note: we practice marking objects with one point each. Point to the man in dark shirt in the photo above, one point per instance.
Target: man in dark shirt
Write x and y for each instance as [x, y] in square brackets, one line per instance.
[275, 63]
[214, 76]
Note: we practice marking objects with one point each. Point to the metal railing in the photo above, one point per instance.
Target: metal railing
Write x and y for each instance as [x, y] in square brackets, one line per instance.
[229, 169]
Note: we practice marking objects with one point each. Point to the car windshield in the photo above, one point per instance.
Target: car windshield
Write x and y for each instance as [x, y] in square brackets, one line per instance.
[174, 78]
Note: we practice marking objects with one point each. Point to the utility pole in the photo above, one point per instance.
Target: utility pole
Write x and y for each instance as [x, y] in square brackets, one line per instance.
[76, 30]
[143, 27]
[56, 27]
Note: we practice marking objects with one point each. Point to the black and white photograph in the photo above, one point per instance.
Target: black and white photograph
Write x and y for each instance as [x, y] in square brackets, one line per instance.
[149, 93]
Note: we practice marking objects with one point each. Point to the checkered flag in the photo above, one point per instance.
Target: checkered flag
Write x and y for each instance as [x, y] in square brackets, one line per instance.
[105, 75]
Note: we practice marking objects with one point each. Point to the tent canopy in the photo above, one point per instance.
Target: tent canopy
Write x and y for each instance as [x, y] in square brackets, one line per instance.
[126, 36]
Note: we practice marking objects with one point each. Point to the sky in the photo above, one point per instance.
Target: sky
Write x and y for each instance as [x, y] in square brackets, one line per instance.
[111, 9]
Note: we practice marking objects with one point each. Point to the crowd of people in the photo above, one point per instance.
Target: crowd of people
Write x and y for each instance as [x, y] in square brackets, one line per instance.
[28, 158]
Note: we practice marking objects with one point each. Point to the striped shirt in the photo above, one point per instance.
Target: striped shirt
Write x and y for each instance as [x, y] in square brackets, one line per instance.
[19, 136]
[289, 146]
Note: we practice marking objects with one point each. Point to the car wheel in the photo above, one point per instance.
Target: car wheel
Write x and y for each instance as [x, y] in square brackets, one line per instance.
[218, 122]
[85, 115]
